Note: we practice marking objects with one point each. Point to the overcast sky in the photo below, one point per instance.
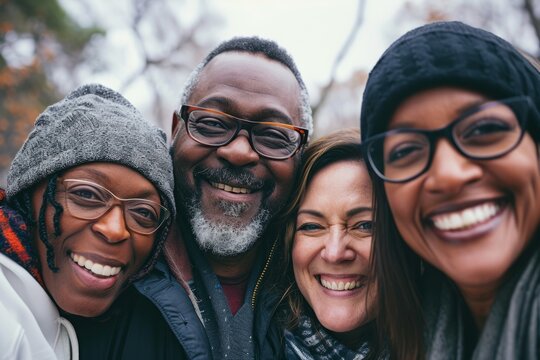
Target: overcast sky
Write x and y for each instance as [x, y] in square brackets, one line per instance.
[314, 30]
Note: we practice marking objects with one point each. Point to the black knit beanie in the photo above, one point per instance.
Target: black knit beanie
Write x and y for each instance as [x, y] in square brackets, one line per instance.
[444, 54]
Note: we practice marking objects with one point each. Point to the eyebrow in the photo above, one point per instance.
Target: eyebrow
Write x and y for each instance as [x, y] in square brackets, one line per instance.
[146, 193]
[359, 210]
[225, 105]
[463, 109]
[460, 111]
[349, 213]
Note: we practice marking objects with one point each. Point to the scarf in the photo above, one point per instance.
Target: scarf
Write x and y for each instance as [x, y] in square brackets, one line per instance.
[15, 240]
[309, 341]
[511, 330]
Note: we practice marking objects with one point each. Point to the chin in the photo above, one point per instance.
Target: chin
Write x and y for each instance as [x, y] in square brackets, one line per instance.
[342, 323]
[342, 326]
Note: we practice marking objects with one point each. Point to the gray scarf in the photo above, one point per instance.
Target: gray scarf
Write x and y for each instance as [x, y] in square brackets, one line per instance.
[511, 331]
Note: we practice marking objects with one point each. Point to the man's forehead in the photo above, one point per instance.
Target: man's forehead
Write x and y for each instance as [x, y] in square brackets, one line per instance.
[244, 64]
[244, 79]
[237, 57]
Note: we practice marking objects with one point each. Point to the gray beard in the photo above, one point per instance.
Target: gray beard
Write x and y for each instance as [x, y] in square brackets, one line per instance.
[226, 238]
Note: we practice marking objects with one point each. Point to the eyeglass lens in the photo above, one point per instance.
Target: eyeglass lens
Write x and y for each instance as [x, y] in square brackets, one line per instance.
[89, 201]
[215, 129]
[489, 132]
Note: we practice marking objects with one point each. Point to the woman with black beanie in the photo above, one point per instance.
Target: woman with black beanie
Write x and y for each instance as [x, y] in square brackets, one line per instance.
[449, 126]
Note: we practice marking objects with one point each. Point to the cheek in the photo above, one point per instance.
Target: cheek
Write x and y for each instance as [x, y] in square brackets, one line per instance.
[525, 188]
[519, 175]
[187, 153]
[183, 171]
[401, 200]
[284, 173]
[297, 257]
[142, 247]
[302, 256]
[363, 250]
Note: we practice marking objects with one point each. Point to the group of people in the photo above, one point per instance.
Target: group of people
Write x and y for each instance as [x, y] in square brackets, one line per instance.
[414, 236]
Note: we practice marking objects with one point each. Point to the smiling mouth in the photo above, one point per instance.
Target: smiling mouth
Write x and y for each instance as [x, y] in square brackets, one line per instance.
[231, 189]
[466, 218]
[94, 267]
[341, 285]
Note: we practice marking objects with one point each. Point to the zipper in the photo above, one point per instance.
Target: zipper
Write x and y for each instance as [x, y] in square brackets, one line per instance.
[263, 273]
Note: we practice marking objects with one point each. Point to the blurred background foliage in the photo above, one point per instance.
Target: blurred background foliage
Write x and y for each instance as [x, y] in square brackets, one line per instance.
[43, 29]
[48, 47]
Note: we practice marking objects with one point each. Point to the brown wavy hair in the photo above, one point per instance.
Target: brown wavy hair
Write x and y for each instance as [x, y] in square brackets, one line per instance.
[341, 145]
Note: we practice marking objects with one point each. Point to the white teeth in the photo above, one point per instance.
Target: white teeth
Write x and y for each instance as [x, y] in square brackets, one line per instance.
[340, 285]
[106, 270]
[228, 188]
[466, 218]
[88, 264]
[96, 268]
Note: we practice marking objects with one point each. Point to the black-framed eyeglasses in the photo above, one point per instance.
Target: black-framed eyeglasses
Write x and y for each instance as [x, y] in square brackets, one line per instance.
[89, 201]
[486, 131]
[272, 140]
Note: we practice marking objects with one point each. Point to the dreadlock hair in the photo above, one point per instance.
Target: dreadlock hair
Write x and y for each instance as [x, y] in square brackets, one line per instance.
[49, 197]
[23, 204]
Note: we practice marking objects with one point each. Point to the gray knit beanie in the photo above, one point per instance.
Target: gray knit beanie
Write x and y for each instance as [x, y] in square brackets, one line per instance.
[444, 54]
[93, 123]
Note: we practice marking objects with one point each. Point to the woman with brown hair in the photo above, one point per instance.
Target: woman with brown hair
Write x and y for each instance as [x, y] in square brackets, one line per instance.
[330, 311]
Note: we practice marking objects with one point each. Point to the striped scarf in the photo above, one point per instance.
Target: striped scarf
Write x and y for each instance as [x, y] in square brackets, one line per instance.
[15, 240]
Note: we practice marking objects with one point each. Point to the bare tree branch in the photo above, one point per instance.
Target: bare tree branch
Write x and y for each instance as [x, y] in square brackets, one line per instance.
[341, 55]
[186, 37]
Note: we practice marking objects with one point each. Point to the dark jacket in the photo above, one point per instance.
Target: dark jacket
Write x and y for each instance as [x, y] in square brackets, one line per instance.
[154, 319]
[174, 304]
[258, 310]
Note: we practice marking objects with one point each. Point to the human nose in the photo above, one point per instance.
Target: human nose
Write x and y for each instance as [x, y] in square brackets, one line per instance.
[239, 151]
[112, 225]
[336, 248]
[450, 171]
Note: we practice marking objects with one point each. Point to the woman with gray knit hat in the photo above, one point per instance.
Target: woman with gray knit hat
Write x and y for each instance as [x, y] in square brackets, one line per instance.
[87, 207]
[450, 125]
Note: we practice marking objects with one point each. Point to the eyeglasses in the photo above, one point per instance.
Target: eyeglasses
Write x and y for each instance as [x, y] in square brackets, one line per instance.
[89, 201]
[272, 140]
[484, 132]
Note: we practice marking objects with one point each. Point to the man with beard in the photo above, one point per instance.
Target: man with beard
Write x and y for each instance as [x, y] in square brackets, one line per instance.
[237, 138]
